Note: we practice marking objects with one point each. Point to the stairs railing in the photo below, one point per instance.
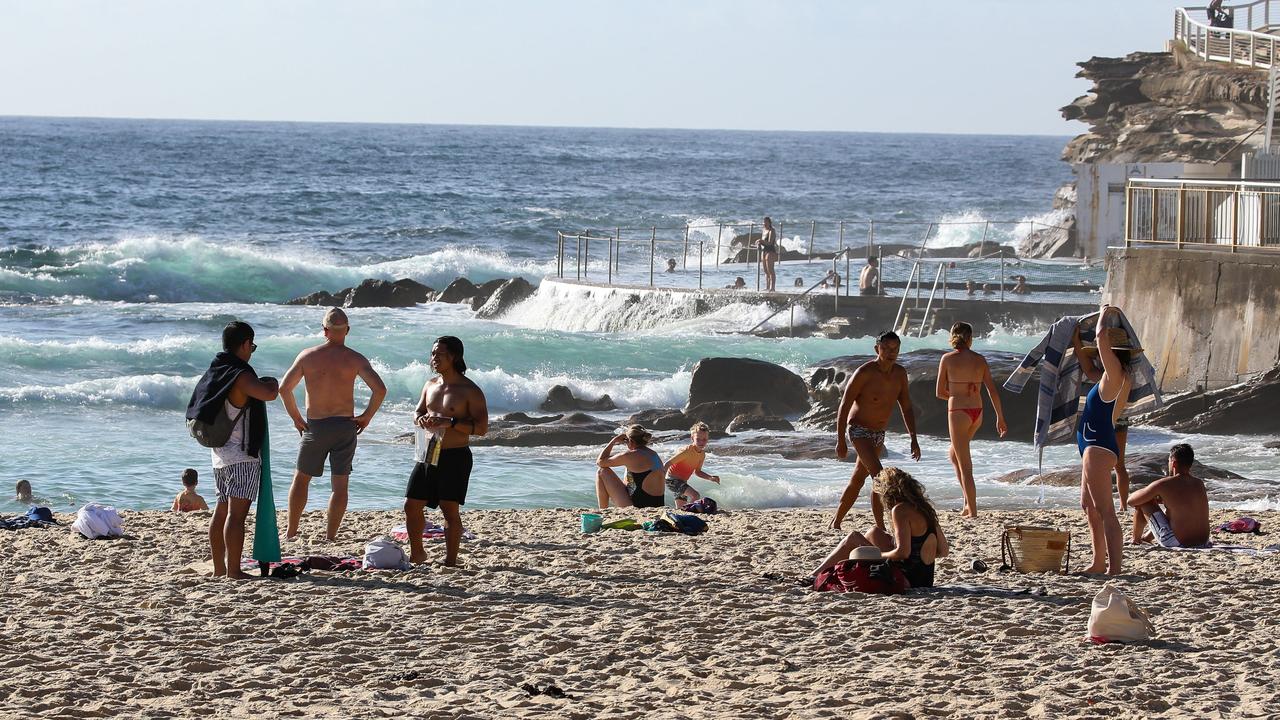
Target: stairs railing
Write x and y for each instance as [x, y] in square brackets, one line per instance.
[791, 304]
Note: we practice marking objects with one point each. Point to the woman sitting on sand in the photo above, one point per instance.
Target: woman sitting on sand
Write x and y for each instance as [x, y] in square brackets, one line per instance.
[962, 373]
[645, 484]
[917, 540]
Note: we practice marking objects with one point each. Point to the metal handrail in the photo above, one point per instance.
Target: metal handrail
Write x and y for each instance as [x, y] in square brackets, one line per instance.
[1189, 214]
[1255, 46]
[936, 278]
[906, 293]
[797, 298]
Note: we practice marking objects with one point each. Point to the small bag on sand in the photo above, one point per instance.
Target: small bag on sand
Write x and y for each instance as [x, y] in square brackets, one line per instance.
[1035, 549]
[98, 521]
[1116, 618]
[383, 553]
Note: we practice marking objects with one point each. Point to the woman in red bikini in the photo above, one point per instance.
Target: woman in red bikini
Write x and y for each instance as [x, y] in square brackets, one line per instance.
[961, 375]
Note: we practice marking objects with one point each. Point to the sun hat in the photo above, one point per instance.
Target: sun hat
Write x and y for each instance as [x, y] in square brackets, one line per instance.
[866, 552]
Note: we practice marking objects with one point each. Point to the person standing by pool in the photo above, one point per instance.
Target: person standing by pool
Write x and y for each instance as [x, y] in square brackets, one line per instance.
[865, 409]
[962, 373]
[1096, 440]
[454, 408]
[645, 486]
[329, 430]
[769, 246]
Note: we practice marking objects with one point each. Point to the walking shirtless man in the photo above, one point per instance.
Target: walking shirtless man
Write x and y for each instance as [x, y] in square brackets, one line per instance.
[453, 408]
[331, 425]
[865, 410]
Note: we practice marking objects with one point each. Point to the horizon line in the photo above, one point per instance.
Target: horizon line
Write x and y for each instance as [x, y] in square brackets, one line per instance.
[6, 116]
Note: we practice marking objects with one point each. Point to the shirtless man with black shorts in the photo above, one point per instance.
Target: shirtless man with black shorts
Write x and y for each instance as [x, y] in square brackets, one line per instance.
[865, 410]
[453, 407]
[331, 425]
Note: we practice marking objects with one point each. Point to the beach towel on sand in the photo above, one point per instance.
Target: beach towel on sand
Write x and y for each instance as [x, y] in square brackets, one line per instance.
[98, 521]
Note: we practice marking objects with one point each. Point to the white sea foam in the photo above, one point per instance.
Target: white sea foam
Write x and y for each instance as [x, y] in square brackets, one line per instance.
[156, 390]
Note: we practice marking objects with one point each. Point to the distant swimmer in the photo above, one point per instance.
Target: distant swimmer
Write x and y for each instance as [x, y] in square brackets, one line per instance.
[769, 249]
[865, 409]
[671, 265]
[22, 492]
[962, 374]
[969, 288]
[453, 408]
[869, 278]
[644, 486]
[1020, 285]
[189, 500]
[329, 430]
[738, 284]
[687, 463]
[1176, 507]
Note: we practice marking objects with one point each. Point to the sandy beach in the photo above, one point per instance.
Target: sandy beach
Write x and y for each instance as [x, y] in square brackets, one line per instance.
[628, 624]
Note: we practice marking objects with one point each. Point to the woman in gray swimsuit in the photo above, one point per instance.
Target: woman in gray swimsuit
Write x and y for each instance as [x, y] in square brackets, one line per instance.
[645, 486]
[769, 250]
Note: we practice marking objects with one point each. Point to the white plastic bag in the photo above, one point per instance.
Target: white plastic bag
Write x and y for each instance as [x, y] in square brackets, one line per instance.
[383, 553]
[1116, 618]
[97, 521]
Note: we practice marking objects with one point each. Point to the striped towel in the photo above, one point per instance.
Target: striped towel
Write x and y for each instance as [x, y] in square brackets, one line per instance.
[1061, 378]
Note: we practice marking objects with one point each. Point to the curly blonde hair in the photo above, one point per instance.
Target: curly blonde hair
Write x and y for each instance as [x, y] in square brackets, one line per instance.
[896, 485]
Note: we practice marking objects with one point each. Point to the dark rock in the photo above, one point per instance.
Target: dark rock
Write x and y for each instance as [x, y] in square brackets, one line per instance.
[661, 419]
[827, 380]
[575, 429]
[717, 415]
[777, 389]
[323, 298]
[1272, 445]
[1247, 408]
[380, 293]
[484, 292]
[742, 423]
[524, 419]
[1143, 468]
[511, 293]
[458, 291]
[788, 447]
[420, 293]
[562, 398]
[748, 255]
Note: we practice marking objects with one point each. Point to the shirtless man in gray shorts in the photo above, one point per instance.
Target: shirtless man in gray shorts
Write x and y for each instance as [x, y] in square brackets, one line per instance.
[864, 413]
[331, 425]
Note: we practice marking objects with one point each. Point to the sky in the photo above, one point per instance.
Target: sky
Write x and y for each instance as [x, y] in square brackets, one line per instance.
[980, 66]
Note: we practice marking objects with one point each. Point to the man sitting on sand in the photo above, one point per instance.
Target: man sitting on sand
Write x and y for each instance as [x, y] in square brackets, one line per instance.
[687, 463]
[1176, 506]
[329, 430]
[865, 409]
[188, 500]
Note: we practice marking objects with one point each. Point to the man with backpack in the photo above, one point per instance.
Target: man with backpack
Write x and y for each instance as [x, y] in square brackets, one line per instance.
[228, 414]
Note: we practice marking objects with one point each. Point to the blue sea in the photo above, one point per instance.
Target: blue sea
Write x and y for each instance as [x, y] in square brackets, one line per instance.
[125, 246]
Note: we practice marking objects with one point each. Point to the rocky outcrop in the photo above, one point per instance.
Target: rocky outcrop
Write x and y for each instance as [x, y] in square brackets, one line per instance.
[827, 380]
[744, 423]
[561, 398]
[720, 413]
[459, 291]
[661, 419]
[778, 390]
[1060, 240]
[370, 293]
[506, 296]
[575, 429]
[1143, 468]
[1248, 408]
[323, 298]
[1165, 107]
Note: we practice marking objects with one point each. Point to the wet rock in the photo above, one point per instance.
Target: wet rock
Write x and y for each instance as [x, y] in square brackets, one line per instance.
[484, 291]
[661, 419]
[717, 415]
[419, 292]
[827, 380]
[1143, 468]
[323, 298]
[519, 418]
[506, 296]
[575, 429]
[380, 293]
[778, 390]
[459, 291]
[562, 398]
[743, 423]
[1247, 408]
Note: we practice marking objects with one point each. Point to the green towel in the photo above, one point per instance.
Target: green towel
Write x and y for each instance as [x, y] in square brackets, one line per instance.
[624, 524]
[266, 536]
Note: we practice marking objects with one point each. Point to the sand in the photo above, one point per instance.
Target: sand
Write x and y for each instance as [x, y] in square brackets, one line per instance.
[628, 624]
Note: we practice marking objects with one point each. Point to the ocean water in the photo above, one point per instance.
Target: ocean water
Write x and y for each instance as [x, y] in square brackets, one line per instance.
[125, 246]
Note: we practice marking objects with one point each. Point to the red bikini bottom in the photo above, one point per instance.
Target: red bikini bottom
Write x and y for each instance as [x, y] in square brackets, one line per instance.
[975, 414]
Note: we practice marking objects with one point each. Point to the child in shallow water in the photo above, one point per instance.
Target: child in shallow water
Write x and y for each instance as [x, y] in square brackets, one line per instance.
[22, 492]
[687, 463]
[188, 500]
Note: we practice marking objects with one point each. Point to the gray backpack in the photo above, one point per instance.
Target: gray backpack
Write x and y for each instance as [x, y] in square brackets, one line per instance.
[215, 434]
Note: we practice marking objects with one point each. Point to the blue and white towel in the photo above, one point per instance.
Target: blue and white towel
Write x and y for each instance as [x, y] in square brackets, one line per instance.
[1060, 379]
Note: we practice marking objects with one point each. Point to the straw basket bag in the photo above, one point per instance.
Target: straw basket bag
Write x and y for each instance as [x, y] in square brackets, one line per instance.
[1035, 549]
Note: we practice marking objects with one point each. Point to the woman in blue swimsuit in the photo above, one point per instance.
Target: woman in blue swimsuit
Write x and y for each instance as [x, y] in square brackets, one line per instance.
[1096, 439]
[645, 485]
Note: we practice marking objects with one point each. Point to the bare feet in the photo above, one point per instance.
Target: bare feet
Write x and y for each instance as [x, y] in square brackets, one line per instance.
[418, 558]
[835, 523]
[238, 575]
[1095, 569]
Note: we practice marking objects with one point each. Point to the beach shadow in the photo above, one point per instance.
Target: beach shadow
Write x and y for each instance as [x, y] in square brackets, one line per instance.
[939, 592]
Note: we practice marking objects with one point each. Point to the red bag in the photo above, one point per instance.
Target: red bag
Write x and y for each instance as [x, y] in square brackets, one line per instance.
[865, 576]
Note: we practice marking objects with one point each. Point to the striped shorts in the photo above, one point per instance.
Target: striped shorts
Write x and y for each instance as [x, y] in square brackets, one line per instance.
[240, 480]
